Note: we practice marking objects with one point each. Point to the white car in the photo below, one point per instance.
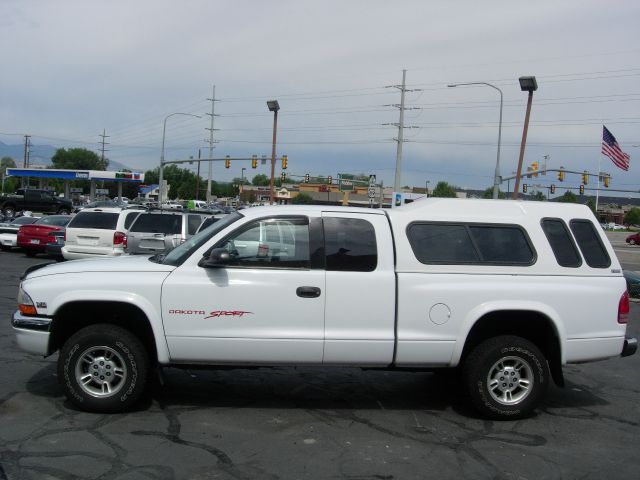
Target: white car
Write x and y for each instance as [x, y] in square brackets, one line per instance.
[9, 231]
[98, 232]
[172, 205]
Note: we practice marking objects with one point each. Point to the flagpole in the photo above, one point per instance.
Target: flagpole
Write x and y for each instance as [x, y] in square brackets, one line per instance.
[598, 189]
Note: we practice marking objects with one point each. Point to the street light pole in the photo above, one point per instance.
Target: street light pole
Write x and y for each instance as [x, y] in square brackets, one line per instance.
[273, 107]
[527, 84]
[242, 182]
[496, 176]
[164, 131]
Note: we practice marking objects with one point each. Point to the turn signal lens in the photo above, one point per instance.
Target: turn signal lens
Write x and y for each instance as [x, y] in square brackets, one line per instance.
[25, 304]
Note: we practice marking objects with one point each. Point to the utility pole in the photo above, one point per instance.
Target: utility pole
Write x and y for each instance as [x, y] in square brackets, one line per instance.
[211, 141]
[401, 126]
[25, 163]
[102, 150]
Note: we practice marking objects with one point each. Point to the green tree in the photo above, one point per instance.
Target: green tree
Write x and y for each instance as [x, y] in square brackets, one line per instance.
[632, 217]
[261, 180]
[538, 197]
[568, 197]
[7, 162]
[11, 183]
[78, 159]
[181, 180]
[443, 189]
[592, 205]
[302, 199]
[488, 193]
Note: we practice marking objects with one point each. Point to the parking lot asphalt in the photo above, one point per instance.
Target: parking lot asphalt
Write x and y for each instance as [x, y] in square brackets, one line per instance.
[288, 423]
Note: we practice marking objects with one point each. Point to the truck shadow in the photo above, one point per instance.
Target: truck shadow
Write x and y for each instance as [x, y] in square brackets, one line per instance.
[315, 388]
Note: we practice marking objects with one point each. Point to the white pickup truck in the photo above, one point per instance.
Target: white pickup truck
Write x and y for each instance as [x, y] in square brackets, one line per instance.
[504, 292]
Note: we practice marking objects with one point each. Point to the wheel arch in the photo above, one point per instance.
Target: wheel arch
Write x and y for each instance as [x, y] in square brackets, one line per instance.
[539, 326]
[75, 315]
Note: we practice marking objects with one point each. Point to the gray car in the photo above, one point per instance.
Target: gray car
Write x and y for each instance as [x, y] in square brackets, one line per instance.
[154, 232]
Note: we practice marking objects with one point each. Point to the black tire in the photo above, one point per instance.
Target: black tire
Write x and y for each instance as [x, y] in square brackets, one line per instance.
[9, 211]
[63, 211]
[520, 376]
[30, 253]
[632, 242]
[119, 364]
[5, 248]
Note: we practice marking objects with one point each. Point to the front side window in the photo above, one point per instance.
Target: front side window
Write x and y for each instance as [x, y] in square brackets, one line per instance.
[271, 243]
[477, 244]
[350, 245]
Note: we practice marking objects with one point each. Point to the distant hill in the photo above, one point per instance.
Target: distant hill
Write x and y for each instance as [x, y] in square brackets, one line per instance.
[41, 155]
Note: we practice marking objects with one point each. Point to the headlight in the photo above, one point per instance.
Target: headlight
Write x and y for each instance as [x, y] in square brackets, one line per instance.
[25, 304]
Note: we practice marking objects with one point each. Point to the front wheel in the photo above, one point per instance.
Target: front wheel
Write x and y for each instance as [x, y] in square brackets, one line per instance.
[506, 376]
[63, 211]
[103, 368]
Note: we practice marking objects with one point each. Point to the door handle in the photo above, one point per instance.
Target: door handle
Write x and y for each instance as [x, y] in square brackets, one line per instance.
[308, 292]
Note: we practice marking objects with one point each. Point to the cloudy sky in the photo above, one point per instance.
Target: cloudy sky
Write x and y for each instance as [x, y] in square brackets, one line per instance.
[74, 68]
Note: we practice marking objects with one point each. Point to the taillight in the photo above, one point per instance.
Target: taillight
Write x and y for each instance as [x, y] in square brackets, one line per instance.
[51, 239]
[120, 238]
[65, 236]
[623, 308]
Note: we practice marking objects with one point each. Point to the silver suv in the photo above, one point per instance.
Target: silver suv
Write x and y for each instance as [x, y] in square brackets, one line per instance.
[154, 232]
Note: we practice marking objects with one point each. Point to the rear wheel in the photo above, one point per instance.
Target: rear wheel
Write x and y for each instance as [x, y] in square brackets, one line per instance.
[632, 242]
[103, 368]
[63, 211]
[9, 211]
[506, 376]
[30, 253]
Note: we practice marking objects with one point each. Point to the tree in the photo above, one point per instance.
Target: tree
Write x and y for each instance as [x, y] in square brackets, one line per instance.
[538, 197]
[261, 180]
[7, 162]
[488, 193]
[78, 159]
[568, 197]
[592, 205]
[181, 180]
[443, 189]
[302, 199]
[632, 217]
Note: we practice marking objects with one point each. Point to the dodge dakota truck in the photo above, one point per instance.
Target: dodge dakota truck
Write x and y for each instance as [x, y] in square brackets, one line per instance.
[504, 293]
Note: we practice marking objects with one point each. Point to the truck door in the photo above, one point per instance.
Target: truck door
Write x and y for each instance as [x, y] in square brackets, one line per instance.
[360, 289]
[266, 306]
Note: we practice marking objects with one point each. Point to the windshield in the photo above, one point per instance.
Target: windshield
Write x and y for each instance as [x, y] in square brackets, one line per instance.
[56, 220]
[179, 254]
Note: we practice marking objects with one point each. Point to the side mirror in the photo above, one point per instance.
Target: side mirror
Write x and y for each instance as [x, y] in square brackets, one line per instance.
[218, 257]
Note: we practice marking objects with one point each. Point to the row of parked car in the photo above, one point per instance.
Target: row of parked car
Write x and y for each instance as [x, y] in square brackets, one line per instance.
[103, 232]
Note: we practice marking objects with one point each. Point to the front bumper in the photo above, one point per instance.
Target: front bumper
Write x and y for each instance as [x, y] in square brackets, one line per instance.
[32, 333]
[630, 347]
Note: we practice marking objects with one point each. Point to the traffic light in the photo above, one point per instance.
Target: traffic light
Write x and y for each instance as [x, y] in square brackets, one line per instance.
[581, 189]
[561, 174]
[254, 161]
[606, 181]
[285, 160]
[534, 168]
[283, 177]
[330, 180]
[585, 177]
[552, 189]
[306, 178]
[524, 188]
[227, 162]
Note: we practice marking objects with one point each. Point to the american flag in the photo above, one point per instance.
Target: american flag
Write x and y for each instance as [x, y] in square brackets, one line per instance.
[612, 150]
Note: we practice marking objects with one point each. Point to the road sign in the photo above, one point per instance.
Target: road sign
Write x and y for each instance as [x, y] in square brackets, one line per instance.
[346, 183]
[372, 180]
[372, 192]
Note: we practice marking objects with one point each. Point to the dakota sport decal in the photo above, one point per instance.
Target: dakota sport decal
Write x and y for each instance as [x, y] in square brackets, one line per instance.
[214, 314]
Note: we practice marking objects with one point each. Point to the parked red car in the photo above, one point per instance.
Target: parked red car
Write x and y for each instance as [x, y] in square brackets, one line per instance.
[633, 239]
[33, 238]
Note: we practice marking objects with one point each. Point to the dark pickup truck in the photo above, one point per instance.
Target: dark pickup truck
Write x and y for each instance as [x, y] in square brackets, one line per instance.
[34, 200]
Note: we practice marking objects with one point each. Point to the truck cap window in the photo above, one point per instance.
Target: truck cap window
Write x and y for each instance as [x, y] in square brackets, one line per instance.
[589, 242]
[98, 220]
[350, 245]
[450, 243]
[561, 242]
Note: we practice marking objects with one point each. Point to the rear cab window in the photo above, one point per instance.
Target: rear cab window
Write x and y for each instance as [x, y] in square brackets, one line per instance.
[350, 245]
[563, 246]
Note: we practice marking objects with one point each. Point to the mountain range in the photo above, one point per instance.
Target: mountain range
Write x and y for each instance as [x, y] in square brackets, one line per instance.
[41, 155]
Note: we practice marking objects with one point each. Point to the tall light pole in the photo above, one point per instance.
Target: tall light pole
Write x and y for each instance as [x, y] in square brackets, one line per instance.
[242, 182]
[164, 131]
[496, 176]
[527, 84]
[273, 106]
